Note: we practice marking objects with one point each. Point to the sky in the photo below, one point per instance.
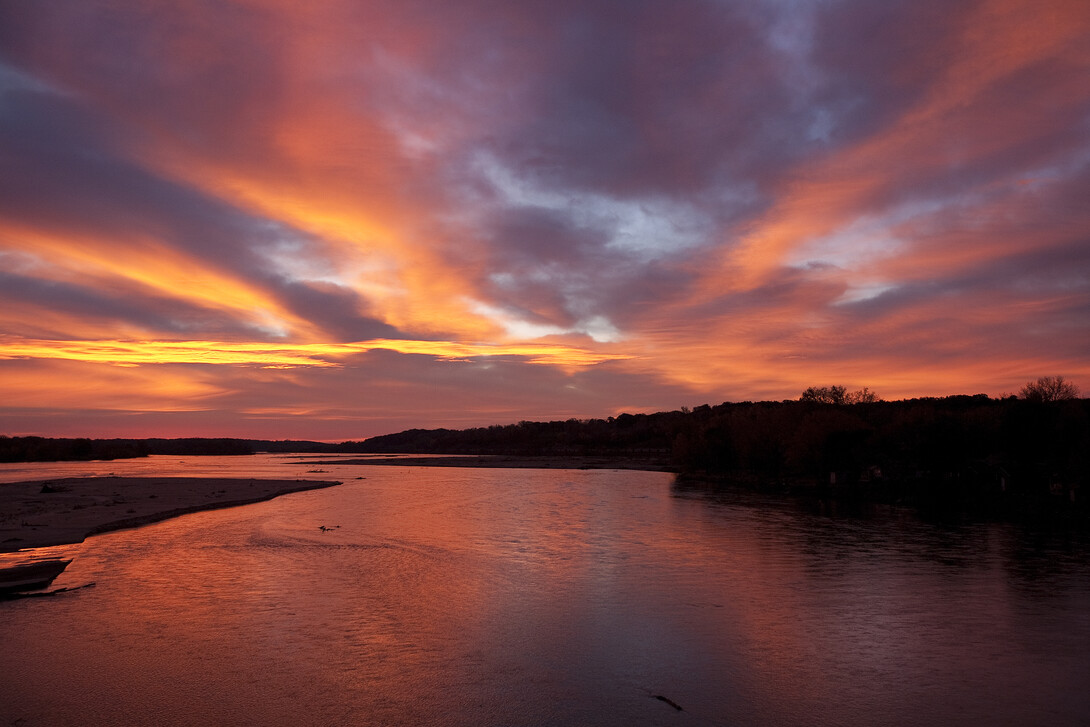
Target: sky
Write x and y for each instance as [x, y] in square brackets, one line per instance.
[343, 218]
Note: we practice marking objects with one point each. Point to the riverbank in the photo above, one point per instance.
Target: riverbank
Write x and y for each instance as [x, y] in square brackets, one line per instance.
[544, 462]
[38, 513]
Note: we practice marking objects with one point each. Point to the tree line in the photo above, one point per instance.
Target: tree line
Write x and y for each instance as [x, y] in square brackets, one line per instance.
[1036, 444]
[49, 449]
[969, 448]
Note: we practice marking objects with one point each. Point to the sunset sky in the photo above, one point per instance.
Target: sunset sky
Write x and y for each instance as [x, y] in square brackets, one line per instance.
[335, 219]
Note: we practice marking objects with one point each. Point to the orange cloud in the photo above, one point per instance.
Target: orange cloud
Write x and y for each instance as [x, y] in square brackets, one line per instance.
[343, 178]
[324, 162]
[142, 265]
[79, 385]
[955, 124]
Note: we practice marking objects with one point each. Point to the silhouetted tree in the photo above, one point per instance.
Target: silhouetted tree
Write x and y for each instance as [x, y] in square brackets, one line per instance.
[824, 394]
[863, 396]
[838, 395]
[1049, 388]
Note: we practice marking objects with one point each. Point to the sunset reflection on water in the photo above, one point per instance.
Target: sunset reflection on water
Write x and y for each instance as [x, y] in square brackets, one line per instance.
[487, 597]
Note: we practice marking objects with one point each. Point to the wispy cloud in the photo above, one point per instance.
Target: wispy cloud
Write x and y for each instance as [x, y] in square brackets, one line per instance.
[538, 209]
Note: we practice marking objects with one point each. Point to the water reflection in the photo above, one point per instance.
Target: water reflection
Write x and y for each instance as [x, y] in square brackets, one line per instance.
[270, 466]
[894, 610]
[492, 597]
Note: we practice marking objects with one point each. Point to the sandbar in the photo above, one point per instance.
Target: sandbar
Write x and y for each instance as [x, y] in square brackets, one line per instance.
[38, 513]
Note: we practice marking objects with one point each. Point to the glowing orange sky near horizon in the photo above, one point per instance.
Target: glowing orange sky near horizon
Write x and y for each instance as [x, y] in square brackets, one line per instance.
[338, 221]
[135, 353]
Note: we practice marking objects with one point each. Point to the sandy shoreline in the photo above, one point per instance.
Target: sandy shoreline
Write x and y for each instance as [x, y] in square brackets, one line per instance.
[69, 510]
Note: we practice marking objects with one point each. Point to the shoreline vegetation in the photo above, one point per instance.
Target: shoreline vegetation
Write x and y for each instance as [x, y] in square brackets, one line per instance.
[1009, 458]
[1008, 455]
[41, 513]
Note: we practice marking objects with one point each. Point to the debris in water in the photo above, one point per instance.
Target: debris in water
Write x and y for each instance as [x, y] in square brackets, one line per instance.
[669, 701]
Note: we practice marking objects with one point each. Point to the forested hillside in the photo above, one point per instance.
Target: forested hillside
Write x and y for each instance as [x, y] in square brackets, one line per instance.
[973, 444]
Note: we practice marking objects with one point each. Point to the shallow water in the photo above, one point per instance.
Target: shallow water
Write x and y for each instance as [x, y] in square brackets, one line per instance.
[532, 597]
[270, 466]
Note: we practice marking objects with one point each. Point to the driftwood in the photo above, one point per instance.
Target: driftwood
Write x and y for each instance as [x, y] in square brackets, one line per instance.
[669, 701]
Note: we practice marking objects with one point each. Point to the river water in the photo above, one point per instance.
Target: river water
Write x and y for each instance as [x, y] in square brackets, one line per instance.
[447, 596]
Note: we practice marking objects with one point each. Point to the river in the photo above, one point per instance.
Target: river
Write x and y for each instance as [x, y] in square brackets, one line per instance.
[457, 596]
